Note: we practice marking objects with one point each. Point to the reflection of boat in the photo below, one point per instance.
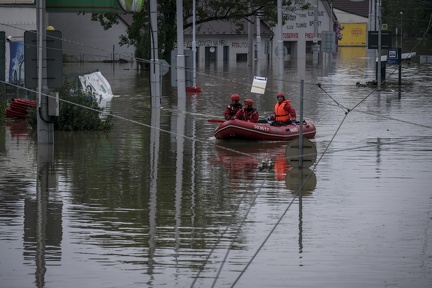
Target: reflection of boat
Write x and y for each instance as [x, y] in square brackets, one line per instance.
[238, 129]
[18, 128]
[243, 159]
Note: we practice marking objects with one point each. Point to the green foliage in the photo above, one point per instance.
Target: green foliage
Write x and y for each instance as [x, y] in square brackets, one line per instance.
[413, 15]
[3, 107]
[3, 103]
[415, 19]
[78, 112]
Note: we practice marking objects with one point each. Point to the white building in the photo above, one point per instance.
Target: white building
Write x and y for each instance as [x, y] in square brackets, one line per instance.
[221, 41]
[86, 40]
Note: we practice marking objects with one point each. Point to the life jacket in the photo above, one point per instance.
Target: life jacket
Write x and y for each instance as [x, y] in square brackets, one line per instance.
[281, 115]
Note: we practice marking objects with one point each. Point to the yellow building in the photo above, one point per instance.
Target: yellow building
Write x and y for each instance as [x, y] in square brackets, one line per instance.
[353, 34]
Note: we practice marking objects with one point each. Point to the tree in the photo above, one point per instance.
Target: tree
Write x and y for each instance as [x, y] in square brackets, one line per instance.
[413, 15]
[138, 34]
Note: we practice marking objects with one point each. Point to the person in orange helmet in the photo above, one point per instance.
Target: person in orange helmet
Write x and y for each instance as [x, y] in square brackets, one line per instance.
[284, 113]
[248, 112]
[232, 108]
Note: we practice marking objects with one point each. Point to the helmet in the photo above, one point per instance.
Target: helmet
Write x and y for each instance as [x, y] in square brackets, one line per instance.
[235, 97]
[280, 94]
[249, 102]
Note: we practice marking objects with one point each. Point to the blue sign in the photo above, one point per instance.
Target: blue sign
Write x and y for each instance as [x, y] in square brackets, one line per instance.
[392, 56]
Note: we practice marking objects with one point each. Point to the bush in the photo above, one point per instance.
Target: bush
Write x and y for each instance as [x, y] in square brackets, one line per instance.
[74, 116]
[3, 103]
[3, 107]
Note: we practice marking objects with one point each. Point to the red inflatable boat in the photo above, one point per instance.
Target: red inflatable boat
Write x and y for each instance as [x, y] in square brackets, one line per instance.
[238, 129]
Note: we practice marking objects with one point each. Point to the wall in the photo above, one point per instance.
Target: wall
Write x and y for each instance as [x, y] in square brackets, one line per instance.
[237, 44]
[87, 40]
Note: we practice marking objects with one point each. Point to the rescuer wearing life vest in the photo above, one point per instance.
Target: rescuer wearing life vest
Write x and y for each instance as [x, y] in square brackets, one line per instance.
[284, 113]
[248, 113]
[232, 108]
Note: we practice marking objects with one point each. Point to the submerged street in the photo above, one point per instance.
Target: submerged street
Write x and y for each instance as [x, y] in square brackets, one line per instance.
[159, 201]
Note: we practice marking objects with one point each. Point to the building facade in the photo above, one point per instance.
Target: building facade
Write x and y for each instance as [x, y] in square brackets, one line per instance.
[86, 40]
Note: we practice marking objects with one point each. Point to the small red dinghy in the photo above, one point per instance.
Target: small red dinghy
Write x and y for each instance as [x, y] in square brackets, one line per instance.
[238, 129]
[18, 108]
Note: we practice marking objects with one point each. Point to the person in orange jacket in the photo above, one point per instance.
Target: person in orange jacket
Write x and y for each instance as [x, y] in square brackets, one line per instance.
[247, 113]
[232, 108]
[284, 113]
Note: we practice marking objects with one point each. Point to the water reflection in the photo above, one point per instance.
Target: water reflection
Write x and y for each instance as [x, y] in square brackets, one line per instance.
[158, 200]
[243, 159]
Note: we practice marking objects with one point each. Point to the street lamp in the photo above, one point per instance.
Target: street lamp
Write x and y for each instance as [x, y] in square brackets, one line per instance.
[401, 13]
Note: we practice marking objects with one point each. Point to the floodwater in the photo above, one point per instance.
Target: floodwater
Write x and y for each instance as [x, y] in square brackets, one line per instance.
[158, 202]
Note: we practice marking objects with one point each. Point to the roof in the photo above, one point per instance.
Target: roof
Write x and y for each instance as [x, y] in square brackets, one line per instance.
[356, 7]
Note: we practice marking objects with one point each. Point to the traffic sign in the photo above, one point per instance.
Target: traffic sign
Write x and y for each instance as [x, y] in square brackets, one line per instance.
[393, 56]
[164, 67]
[54, 59]
[386, 39]
[309, 153]
[328, 41]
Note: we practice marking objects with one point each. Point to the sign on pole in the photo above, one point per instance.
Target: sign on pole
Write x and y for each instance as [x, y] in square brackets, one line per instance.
[393, 56]
[309, 153]
[164, 67]
[386, 39]
[54, 57]
[328, 41]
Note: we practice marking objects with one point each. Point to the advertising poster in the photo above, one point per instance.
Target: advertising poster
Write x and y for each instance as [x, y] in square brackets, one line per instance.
[16, 64]
[354, 34]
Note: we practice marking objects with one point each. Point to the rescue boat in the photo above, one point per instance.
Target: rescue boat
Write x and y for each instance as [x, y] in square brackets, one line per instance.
[239, 129]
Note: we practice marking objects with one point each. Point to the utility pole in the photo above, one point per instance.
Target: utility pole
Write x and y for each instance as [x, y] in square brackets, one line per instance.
[155, 74]
[193, 45]
[379, 45]
[401, 34]
[280, 49]
[258, 36]
[250, 38]
[45, 129]
[315, 39]
[181, 81]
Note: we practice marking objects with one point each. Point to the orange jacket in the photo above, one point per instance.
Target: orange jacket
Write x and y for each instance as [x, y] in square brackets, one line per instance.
[282, 111]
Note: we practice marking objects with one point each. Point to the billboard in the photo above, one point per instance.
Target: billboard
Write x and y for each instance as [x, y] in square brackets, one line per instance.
[353, 34]
[16, 64]
[2, 57]
[94, 6]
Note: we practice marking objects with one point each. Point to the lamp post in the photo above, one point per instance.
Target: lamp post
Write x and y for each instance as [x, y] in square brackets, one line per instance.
[378, 12]
[401, 35]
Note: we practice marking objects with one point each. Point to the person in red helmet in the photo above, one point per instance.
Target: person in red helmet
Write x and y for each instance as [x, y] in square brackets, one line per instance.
[232, 108]
[248, 112]
[284, 113]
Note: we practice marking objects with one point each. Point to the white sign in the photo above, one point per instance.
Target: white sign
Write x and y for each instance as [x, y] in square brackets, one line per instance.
[258, 85]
